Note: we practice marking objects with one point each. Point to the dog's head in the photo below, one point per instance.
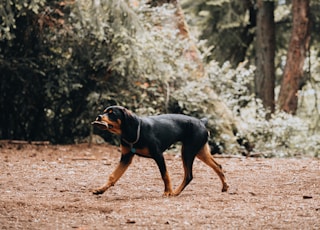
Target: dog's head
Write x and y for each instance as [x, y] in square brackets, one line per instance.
[113, 119]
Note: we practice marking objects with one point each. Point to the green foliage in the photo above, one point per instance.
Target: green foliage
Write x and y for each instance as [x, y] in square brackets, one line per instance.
[67, 62]
[10, 11]
[61, 63]
[226, 26]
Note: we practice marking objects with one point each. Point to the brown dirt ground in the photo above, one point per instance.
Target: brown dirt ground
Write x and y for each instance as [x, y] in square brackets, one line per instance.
[48, 187]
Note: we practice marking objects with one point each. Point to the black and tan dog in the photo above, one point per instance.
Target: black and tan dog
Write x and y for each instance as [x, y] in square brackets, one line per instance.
[151, 136]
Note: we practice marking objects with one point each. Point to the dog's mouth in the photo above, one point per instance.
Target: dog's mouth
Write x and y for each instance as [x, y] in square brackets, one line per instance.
[101, 125]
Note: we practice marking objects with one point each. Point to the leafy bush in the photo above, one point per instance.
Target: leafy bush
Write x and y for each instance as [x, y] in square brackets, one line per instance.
[62, 62]
[282, 135]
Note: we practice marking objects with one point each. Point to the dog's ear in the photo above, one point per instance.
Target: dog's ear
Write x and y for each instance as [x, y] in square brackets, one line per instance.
[130, 120]
[126, 113]
[120, 112]
[129, 125]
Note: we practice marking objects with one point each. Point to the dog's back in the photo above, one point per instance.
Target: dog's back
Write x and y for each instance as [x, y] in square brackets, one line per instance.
[170, 128]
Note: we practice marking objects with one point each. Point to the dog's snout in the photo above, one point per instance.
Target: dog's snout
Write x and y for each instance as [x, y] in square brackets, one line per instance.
[99, 118]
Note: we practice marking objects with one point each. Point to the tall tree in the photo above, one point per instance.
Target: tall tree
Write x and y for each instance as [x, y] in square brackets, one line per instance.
[298, 46]
[265, 53]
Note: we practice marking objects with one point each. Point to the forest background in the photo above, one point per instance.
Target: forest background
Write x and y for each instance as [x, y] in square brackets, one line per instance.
[251, 67]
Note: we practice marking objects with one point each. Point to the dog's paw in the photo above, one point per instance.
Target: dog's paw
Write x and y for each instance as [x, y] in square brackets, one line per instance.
[225, 188]
[168, 193]
[97, 191]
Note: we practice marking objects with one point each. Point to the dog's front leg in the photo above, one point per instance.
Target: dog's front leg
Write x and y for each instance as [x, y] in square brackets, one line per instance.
[125, 161]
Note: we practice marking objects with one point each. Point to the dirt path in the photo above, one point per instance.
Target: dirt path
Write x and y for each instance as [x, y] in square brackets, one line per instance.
[47, 187]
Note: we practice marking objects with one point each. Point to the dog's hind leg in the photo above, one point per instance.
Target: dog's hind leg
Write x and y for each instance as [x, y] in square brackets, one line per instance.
[205, 156]
[187, 156]
[164, 175]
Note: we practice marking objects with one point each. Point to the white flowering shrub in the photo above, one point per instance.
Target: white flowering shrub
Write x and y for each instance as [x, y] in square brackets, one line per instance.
[282, 135]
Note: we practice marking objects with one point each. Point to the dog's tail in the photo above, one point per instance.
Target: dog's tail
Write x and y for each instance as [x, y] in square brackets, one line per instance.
[204, 121]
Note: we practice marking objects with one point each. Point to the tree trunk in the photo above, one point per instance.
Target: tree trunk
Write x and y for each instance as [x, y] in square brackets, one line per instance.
[298, 46]
[265, 52]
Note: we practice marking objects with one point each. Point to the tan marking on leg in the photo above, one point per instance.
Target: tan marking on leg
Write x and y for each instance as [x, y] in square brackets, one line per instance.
[178, 190]
[167, 185]
[205, 156]
[183, 184]
[114, 177]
